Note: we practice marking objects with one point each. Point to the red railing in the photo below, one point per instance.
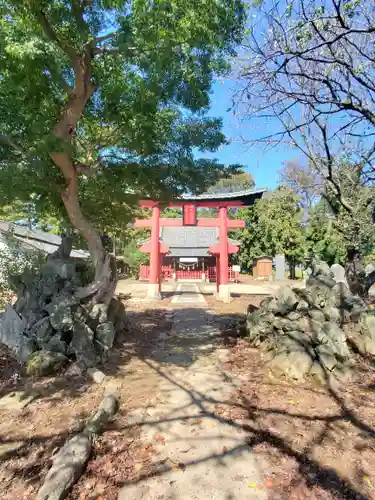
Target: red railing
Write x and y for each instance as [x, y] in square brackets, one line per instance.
[186, 274]
[144, 272]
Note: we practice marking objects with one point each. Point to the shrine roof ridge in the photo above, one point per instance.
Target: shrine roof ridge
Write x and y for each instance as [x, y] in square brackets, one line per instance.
[220, 196]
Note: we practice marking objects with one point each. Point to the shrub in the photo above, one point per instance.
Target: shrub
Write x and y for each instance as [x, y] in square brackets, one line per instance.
[16, 260]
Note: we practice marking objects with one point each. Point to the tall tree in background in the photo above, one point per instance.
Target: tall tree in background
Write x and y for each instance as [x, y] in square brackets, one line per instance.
[252, 238]
[308, 68]
[236, 182]
[324, 241]
[274, 225]
[92, 94]
[303, 180]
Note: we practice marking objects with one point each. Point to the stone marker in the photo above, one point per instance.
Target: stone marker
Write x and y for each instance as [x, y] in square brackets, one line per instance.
[369, 268]
[280, 267]
[339, 273]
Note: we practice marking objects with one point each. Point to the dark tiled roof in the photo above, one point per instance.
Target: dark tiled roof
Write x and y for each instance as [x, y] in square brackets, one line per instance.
[32, 238]
[245, 193]
[189, 237]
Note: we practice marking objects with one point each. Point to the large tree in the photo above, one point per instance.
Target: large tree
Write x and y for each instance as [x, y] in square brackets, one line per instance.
[307, 69]
[103, 99]
[273, 225]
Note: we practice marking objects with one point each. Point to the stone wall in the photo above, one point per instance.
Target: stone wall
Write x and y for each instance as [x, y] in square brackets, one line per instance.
[305, 332]
[50, 323]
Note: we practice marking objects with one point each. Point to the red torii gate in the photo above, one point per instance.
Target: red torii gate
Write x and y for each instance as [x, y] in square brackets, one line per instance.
[189, 210]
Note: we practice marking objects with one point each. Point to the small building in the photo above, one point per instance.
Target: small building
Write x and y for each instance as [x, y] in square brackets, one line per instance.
[189, 254]
[33, 239]
[262, 267]
[214, 228]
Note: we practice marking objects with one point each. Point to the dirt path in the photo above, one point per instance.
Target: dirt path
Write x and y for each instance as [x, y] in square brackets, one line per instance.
[198, 453]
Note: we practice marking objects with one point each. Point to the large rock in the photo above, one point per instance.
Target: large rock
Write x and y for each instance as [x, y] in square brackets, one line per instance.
[332, 314]
[59, 310]
[105, 335]
[55, 344]
[43, 363]
[82, 345]
[317, 315]
[303, 334]
[64, 269]
[301, 363]
[68, 464]
[41, 330]
[117, 315]
[321, 275]
[12, 328]
[270, 304]
[322, 296]
[287, 300]
[367, 326]
[333, 332]
[339, 273]
[327, 360]
[293, 365]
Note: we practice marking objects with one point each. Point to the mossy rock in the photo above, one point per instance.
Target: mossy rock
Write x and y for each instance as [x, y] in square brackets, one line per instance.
[43, 363]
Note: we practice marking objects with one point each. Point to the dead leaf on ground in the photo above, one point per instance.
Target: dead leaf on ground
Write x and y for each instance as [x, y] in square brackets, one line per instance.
[161, 439]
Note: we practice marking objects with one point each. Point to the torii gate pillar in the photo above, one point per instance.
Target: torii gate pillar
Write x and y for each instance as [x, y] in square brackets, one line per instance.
[224, 291]
[154, 283]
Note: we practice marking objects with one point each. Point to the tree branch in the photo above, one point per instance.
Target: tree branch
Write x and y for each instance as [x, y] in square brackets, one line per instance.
[51, 35]
[103, 38]
[78, 10]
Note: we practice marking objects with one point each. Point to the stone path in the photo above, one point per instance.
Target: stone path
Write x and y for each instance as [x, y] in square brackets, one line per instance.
[188, 293]
[198, 453]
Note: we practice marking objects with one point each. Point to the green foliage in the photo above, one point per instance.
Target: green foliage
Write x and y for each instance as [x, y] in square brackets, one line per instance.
[323, 240]
[133, 258]
[274, 225]
[153, 65]
[253, 243]
[172, 213]
[237, 182]
[16, 260]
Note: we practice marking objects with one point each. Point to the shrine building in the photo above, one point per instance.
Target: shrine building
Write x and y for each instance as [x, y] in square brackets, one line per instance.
[193, 247]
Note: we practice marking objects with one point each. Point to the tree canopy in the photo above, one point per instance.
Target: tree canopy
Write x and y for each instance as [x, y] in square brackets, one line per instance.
[273, 225]
[307, 69]
[113, 93]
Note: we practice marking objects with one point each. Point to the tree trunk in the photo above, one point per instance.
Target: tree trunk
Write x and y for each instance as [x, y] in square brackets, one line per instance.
[105, 269]
[292, 269]
[358, 283]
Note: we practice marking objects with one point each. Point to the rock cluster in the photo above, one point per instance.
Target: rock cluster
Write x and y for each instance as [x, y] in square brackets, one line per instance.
[49, 323]
[302, 329]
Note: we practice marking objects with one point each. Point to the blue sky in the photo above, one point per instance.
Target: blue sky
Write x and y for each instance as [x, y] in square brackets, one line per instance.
[263, 165]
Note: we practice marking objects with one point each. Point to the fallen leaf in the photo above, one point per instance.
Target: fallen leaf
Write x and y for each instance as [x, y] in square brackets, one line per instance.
[138, 466]
[367, 480]
[219, 410]
[268, 482]
[292, 401]
[182, 466]
[161, 439]
[252, 485]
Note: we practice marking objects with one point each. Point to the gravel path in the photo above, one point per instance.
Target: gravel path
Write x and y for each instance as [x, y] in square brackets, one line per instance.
[199, 454]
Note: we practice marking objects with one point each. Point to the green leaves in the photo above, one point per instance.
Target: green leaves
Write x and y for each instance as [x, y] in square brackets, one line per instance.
[152, 65]
[273, 225]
